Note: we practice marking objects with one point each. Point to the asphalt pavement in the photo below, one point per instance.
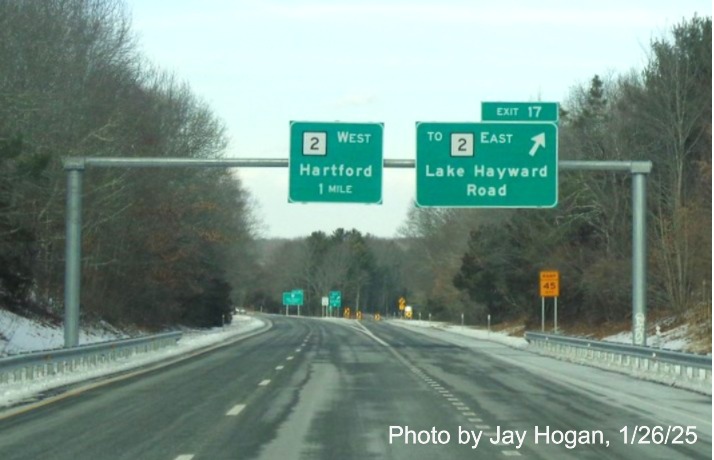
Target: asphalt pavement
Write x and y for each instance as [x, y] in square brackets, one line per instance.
[311, 388]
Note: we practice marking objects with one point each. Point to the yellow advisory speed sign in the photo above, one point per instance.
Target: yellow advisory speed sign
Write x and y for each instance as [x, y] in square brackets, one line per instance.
[550, 283]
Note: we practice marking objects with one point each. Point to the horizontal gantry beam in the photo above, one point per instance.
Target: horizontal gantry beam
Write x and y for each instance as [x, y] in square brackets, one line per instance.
[75, 163]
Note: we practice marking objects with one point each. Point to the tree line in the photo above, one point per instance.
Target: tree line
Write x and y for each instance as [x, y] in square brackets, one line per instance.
[160, 247]
[487, 262]
[366, 270]
[477, 262]
[165, 247]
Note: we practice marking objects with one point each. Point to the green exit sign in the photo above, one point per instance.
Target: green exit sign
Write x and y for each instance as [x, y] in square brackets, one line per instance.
[496, 165]
[335, 299]
[292, 298]
[519, 111]
[336, 162]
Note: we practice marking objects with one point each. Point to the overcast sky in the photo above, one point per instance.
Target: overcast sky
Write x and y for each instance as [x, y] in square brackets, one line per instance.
[262, 63]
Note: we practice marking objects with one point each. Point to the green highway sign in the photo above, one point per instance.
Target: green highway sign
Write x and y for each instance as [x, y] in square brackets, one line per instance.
[294, 297]
[519, 111]
[495, 165]
[335, 299]
[336, 162]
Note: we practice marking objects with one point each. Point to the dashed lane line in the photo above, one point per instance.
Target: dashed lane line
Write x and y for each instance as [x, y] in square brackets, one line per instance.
[236, 410]
[264, 383]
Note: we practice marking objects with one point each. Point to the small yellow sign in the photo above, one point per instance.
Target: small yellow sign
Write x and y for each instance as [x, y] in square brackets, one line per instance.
[377, 317]
[550, 283]
[402, 303]
[346, 312]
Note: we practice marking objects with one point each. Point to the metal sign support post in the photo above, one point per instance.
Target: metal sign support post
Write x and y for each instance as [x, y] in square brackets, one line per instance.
[555, 316]
[542, 314]
[73, 252]
[75, 167]
[639, 258]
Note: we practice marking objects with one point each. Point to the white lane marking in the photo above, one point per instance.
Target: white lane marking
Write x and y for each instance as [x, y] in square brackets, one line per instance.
[264, 382]
[470, 414]
[511, 453]
[371, 335]
[483, 427]
[298, 350]
[289, 358]
[475, 420]
[236, 409]
[277, 368]
[452, 399]
[184, 457]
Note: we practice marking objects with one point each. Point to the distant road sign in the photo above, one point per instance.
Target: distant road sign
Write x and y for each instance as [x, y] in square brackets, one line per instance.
[336, 162]
[402, 303]
[519, 111]
[496, 165]
[550, 283]
[335, 299]
[293, 298]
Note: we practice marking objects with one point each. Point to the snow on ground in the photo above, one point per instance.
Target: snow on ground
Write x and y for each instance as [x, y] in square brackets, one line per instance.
[669, 341]
[19, 334]
[14, 393]
[483, 334]
[673, 339]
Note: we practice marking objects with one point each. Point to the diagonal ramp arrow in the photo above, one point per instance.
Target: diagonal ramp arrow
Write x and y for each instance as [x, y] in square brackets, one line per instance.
[538, 141]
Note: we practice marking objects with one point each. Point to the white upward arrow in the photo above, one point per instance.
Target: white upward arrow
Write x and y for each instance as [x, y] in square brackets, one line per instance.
[538, 141]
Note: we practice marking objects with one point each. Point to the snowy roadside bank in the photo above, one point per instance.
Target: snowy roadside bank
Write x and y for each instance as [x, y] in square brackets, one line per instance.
[11, 394]
[499, 337]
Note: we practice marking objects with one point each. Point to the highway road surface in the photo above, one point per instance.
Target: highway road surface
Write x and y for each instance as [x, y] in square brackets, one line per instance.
[342, 389]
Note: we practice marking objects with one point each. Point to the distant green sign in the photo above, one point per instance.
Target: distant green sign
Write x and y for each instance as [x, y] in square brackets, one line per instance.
[336, 162]
[335, 299]
[519, 111]
[506, 165]
[292, 298]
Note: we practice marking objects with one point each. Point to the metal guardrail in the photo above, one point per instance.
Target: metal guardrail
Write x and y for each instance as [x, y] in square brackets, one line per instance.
[659, 364]
[39, 364]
